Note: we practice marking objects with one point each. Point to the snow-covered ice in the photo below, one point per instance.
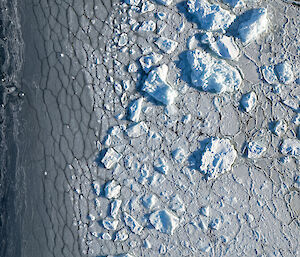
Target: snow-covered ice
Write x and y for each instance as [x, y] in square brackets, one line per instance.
[164, 2]
[177, 204]
[132, 2]
[164, 221]
[255, 150]
[147, 7]
[112, 189]
[211, 74]
[179, 155]
[156, 86]
[147, 26]
[161, 165]
[269, 74]
[217, 158]
[121, 235]
[279, 127]
[234, 3]
[291, 147]
[115, 207]
[284, 72]
[149, 201]
[134, 110]
[110, 158]
[166, 45]
[248, 101]
[110, 224]
[134, 226]
[137, 130]
[205, 211]
[148, 61]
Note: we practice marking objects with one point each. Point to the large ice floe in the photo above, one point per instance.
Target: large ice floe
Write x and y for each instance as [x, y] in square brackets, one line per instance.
[210, 16]
[156, 86]
[211, 74]
[164, 221]
[217, 158]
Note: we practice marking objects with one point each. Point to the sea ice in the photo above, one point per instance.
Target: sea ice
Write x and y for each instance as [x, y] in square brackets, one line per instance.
[234, 3]
[137, 130]
[164, 2]
[148, 61]
[284, 73]
[217, 158]
[177, 204]
[164, 221]
[256, 24]
[279, 128]
[157, 87]
[255, 150]
[147, 7]
[135, 109]
[121, 235]
[132, 2]
[134, 226]
[114, 207]
[166, 45]
[179, 155]
[97, 188]
[123, 39]
[110, 158]
[149, 201]
[106, 236]
[112, 189]
[147, 26]
[215, 224]
[205, 211]
[110, 224]
[248, 101]
[290, 147]
[210, 16]
[161, 165]
[269, 74]
[132, 67]
[211, 74]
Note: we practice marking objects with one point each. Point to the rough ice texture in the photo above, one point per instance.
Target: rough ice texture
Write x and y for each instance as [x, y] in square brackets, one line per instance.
[217, 158]
[234, 3]
[284, 73]
[269, 74]
[291, 147]
[255, 150]
[135, 109]
[147, 7]
[110, 224]
[149, 201]
[110, 158]
[279, 128]
[179, 155]
[134, 226]
[114, 207]
[112, 189]
[132, 2]
[210, 16]
[137, 130]
[166, 45]
[157, 87]
[211, 74]
[121, 235]
[248, 101]
[256, 24]
[161, 165]
[164, 2]
[164, 221]
[147, 26]
[148, 61]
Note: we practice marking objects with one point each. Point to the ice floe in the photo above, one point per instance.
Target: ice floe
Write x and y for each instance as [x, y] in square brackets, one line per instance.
[279, 127]
[211, 74]
[164, 2]
[147, 26]
[179, 155]
[137, 130]
[132, 2]
[205, 211]
[134, 226]
[135, 109]
[157, 87]
[110, 158]
[121, 235]
[284, 73]
[115, 207]
[148, 61]
[161, 165]
[149, 201]
[248, 101]
[210, 16]
[255, 150]
[269, 74]
[234, 3]
[147, 7]
[164, 221]
[166, 45]
[110, 224]
[177, 204]
[291, 147]
[112, 189]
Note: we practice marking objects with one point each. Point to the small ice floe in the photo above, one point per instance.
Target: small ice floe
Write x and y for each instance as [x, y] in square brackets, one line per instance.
[234, 3]
[112, 189]
[137, 130]
[255, 24]
[164, 2]
[255, 150]
[179, 155]
[164, 221]
[292, 102]
[284, 73]
[217, 158]
[121, 235]
[97, 188]
[166, 45]
[279, 127]
[211, 74]
[110, 158]
[123, 40]
[161, 165]
[269, 74]
[291, 147]
[135, 109]
[105, 236]
[132, 2]
[115, 207]
[157, 87]
[148, 61]
[177, 204]
[223, 45]
[121, 255]
[248, 101]
[205, 211]
[161, 15]
[134, 226]
[215, 224]
[147, 7]
[210, 16]
[147, 26]
[149, 201]
[132, 67]
[110, 224]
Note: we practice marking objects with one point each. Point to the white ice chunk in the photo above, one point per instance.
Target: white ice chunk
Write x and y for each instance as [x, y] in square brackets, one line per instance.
[210, 16]
[150, 60]
[135, 109]
[115, 207]
[147, 26]
[179, 155]
[106, 236]
[217, 158]
[147, 7]
[121, 235]
[110, 224]
[137, 130]
[97, 188]
[234, 3]
[292, 102]
[248, 101]
[123, 39]
[215, 224]
[132, 2]
[112, 189]
[164, 221]
[161, 165]
[205, 211]
[149, 201]
[161, 15]
[110, 158]
[166, 45]
[256, 24]
[157, 87]
[291, 147]
[164, 2]
[211, 74]
[121, 255]
[134, 226]
[255, 150]
[284, 73]
[269, 74]
[279, 128]
[177, 204]
[132, 67]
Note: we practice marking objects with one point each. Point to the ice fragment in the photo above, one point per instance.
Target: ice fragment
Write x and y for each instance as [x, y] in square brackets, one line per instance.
[149, 201]
[132, 2]
[205, 211]
[161, 165]
[150, 60]
[121, 235]
[114, 207]
[290, 147]
[255, 150]
[123, 39]
[279, 128]
[164, 2]
[164, 221]
[134, 226]
[110, 158]
[112, 189]
[179, 155]
[248, 101]
[147, 26]
[135, 109]
[137, 130]
[110, 224]
[147, 7]
[284, 73]
[166, 45]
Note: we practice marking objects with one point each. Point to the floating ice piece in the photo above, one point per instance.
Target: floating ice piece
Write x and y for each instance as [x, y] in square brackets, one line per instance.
[205, 211]
[134, 226]
[256, 24]
[132, 2]
[106, 236]
[255, 150]
[112, 189]
[284, 73]
[137, 130]
[123, 39]
[279, 128]
[290, 147]
[166, 45]
[177, 204]
[147, 26]
[296, 119]
[114, 207]
[211, 74]
[110, 224]
[164, 2]
[144, 174]
[248, 101]
[135, 109]
[149, 60]
[161, 15]
[157, 87]
[132, 67]
[234, 3]
[179, 155]
[210, 16]
[223, 46]
[164, 221]
[217, 158]
[292, 102]
[97, 188]
[149, 201]
[121, 235]
[269, 74]
[147, 7]
[161, 165]
[110, 158]
[215, 224]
